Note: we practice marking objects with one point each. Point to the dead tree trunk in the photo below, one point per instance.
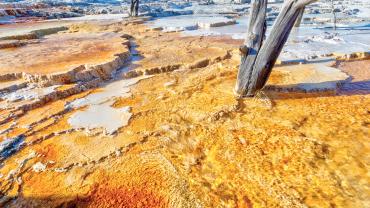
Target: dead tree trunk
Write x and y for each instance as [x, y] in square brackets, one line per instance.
[137, 8]
[334, 15]
[134, 8]
[299, 19]
[258, 55]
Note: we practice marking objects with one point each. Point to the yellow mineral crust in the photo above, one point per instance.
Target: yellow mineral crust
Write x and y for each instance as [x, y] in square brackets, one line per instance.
[191, 143]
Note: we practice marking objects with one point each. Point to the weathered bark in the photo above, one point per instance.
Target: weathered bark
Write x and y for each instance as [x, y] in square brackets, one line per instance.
[258, 56]
[299, 19]
[134, 8]
[252, 44]
[132, 5]
[137, 8]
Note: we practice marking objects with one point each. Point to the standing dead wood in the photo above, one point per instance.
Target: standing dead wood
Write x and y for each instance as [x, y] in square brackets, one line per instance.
[299, 19]
[334, 15]
[134, 8]
[258, 56]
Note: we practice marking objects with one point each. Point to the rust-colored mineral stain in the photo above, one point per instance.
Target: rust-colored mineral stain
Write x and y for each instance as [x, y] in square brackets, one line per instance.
[126, 197]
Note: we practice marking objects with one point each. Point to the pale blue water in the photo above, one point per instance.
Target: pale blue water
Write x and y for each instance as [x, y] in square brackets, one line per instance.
[304, 42]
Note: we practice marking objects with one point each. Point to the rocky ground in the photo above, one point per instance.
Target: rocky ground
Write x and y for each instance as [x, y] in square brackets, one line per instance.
[175, 135]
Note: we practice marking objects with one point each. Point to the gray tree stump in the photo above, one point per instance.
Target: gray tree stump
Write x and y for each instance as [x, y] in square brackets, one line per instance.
[259, 55]
[134, 8]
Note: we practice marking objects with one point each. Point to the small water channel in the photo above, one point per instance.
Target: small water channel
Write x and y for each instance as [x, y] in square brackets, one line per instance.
[98, 112]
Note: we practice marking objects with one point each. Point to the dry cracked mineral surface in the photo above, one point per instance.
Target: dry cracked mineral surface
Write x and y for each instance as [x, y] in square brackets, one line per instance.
[117, 113]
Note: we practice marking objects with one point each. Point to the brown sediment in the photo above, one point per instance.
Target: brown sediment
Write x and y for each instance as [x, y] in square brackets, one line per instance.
[60, 52]
[358, 70]
[10, 44]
